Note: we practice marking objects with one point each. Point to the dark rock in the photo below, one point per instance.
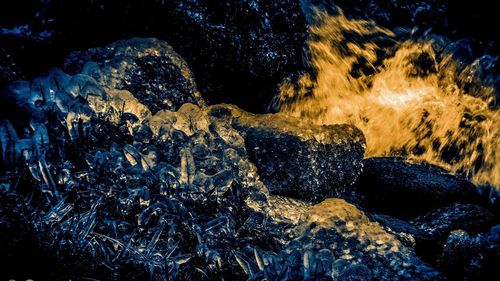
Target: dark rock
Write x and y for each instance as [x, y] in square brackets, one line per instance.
[297, 159]
[440, 222]
[406, 190]
[448, 18]
[407, 233]
[127, 64]
[468, 257]
[285, 214]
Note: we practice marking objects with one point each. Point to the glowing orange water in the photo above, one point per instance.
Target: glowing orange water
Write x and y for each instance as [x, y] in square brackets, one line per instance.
[424, 117]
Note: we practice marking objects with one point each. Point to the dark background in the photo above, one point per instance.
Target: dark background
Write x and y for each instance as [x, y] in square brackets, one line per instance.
[228, 65]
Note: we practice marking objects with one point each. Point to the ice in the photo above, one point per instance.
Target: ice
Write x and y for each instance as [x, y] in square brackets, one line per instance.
[188, 167]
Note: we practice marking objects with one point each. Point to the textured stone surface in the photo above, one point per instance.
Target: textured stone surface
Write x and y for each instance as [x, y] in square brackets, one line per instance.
[147, 67]
[301, 160]
[405, 190]
[410, 235]
[471, 257]
[440, 222]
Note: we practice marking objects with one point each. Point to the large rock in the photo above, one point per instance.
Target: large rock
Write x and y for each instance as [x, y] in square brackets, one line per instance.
[240, 49]
[427, 234]
[297, 159]
[147, 67]
[356, 242]
[405, 190]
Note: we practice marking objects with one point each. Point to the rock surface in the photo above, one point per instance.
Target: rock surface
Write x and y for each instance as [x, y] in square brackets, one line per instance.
[361, 249]
[299, 160]
[127, 64]
[405, 190]
[409, 234]
[470, 257]
[440, 222]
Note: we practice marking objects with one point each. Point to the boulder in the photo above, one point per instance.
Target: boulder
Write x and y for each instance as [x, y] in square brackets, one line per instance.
[127, 64]
[398, 188]
[355, 241]
[440, 222]
[297, 159]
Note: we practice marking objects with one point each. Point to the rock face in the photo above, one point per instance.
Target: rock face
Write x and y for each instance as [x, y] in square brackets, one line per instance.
[235, 44]
[405, 190]
[8, 69]
[299, 160]
[409, 234]
[127, 64]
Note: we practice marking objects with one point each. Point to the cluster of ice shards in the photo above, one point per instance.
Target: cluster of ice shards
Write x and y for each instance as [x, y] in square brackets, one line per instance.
[122, 185]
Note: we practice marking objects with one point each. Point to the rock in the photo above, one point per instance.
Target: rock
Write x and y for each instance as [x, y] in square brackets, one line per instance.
[9, 71]
[127, 64]
[471, 257]
[408, 234]
[335, 239]
[297, 159]
[354, 240]
[440, 222]
[405, 190]
[285, 214]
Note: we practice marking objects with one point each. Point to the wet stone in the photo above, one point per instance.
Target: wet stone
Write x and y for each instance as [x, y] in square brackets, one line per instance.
[300, 160]
[126, 64]
[405, 190]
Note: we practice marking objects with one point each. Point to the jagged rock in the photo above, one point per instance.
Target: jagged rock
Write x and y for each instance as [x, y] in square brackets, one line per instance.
[405, 190]
[440, 222]
[235, 44]
[127, 64]
[9, 71]
[297, 159]
[471, 257]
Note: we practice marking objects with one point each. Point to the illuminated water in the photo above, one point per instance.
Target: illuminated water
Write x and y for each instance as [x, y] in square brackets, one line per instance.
[406, 103]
